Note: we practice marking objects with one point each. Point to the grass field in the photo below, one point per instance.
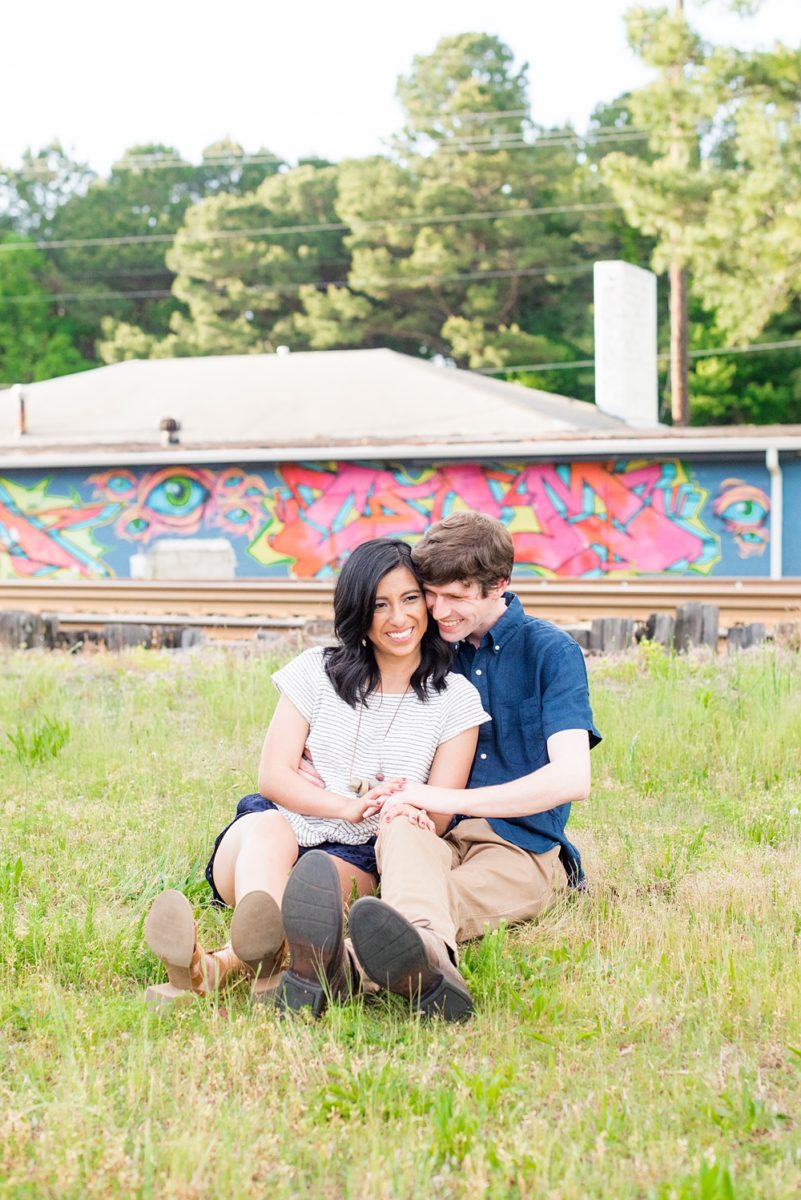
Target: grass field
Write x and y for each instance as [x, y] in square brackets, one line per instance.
[643, 1040]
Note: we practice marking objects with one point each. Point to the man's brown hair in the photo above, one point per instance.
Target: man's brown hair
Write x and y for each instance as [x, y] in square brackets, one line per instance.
[466, 546]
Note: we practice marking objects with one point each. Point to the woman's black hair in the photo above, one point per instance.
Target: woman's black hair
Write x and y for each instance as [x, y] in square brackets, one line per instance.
[351, 666]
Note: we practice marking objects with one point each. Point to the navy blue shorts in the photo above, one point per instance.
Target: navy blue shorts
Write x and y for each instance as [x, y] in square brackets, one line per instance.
[362, 856]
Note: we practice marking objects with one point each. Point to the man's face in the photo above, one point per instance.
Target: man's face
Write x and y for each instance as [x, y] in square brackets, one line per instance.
[460, 610]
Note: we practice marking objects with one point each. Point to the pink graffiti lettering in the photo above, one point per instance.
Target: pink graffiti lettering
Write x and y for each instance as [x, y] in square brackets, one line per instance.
[589, 518]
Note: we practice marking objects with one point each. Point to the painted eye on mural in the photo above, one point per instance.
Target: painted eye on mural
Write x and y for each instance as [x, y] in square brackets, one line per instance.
[119, 484]
[177, 496]
[744, 512]
[238, 516]
[137, 525]
[232, 481]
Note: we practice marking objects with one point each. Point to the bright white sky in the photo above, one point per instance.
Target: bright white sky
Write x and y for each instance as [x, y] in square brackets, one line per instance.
[305, 77]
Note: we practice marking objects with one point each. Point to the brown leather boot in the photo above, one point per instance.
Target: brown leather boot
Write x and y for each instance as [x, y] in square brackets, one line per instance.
[410, 961]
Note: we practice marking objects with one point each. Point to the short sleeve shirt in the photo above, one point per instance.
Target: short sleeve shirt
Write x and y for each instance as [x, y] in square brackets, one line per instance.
[531, 677]
[389, 735]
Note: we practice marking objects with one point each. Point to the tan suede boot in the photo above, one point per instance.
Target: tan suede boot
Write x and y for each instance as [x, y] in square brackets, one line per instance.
[171, 933]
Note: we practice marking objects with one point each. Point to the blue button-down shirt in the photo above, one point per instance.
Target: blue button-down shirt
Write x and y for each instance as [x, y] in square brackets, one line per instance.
[533, 682]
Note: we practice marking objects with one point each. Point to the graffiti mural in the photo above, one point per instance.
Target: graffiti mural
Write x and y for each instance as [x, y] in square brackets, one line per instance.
[580, 519]
[48, 534]
[177, 502]
[572, 520]
[744, 511]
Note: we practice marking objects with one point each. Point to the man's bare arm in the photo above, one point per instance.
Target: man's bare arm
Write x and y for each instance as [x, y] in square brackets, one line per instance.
[564, 779]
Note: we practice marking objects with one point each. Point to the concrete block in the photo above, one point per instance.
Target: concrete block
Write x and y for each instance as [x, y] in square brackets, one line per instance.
[185, 558]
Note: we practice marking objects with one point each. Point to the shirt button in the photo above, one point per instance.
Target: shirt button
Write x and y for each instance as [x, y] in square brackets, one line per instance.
[482, 756]
[497, 647]
[478, 670]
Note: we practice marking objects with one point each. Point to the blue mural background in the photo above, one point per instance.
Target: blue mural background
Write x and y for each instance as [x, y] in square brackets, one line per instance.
[598, 519]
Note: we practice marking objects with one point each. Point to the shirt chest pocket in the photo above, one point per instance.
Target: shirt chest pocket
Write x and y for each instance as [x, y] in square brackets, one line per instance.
[519, 736]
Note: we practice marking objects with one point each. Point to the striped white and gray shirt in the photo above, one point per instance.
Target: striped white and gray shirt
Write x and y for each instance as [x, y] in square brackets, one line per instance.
[415, 728]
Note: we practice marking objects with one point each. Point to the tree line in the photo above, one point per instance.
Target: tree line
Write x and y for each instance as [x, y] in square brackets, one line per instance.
[472, 238]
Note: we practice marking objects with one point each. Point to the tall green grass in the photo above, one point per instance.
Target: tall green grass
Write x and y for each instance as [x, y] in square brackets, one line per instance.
[643, 1040]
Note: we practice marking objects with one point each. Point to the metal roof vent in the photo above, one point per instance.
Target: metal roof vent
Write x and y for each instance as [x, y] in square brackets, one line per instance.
[169, 431]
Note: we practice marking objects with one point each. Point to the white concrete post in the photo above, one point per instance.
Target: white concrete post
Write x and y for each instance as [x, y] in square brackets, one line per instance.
[625, 342]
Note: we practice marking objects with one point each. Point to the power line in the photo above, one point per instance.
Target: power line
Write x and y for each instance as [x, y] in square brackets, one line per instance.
[753, 348]
[545, 140]
[553, 366]
[504, 214]
[454, 143]
[60, 297]
[443, 114]
[576, 364]
[396, 281]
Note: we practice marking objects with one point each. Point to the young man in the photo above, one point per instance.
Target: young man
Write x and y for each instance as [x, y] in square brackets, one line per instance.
[507, 855]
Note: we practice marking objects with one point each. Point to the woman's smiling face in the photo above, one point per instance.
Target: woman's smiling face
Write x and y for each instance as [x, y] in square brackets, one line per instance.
[400, 616]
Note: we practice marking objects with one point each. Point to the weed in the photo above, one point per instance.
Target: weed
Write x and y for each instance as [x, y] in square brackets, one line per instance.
[45, 738]
[711, 1182]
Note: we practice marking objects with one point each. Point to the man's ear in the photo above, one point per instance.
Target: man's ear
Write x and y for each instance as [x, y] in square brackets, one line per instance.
[501, 586]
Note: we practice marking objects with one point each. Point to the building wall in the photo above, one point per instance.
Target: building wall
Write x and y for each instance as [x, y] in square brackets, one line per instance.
[574, 520]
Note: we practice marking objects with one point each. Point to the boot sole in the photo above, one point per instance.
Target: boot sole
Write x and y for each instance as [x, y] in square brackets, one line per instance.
[257, 938]
[257, 931]
[394, 956]
[170, 934]
[314, 926]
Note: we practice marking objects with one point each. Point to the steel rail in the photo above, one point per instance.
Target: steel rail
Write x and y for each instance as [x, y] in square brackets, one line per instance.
[249, 602]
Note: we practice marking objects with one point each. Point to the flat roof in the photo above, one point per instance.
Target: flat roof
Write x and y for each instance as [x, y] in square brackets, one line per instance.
[336, 397]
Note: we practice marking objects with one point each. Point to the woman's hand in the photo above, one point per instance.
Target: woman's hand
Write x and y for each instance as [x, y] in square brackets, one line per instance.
[415, 816]
[371, 802]
[357, 810]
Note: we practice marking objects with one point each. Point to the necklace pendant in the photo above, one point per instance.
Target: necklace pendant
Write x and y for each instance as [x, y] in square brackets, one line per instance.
[379, 776]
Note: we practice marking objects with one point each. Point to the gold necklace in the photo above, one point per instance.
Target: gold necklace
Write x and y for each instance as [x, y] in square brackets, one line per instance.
[358, 783]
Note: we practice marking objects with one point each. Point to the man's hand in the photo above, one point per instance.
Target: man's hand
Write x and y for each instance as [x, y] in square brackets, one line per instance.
[419, 795]
[308, 771]
[415, 816]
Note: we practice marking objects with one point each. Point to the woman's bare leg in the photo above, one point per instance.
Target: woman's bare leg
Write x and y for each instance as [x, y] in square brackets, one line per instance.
[365, 883]
[256, 855]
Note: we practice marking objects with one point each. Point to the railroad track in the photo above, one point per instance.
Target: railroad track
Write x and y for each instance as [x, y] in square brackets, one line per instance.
[235, 607]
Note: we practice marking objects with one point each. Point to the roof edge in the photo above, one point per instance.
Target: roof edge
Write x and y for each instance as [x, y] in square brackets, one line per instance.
[562, 448]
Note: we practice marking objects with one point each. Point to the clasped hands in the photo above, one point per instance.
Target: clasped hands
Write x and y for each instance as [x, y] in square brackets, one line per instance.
[384, 798]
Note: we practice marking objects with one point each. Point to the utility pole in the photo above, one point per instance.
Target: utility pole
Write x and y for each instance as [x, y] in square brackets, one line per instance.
[679, 283]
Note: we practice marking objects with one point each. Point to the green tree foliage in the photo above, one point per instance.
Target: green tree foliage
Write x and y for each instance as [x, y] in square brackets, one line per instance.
[35, 341]
[239, 267]
[487, 293]
[751, 388]
[719, 193]
[148, 193]
[32, 194]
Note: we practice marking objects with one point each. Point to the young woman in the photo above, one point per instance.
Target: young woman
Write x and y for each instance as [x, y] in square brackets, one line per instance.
[378, 707]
